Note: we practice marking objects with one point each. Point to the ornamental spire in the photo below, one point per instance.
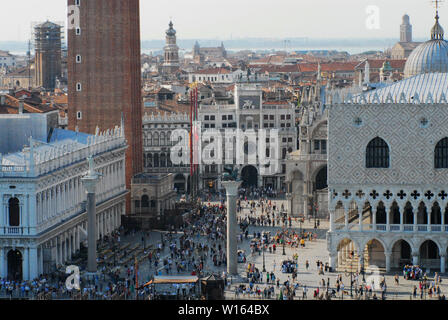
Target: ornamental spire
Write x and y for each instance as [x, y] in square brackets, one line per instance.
[437, 31]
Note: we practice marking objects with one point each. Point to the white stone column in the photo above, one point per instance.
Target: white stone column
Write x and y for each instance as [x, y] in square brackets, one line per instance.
[415, 256]
[442, 215]
[33, 263]
[56, 253]
[401, 219]
[70, 245]
[415, 212]
[41, 260]
[442, 263]
[332, 213]
[2, 262]
[388, 255]
[346, 218]
[387, 210]
[361, 260]
[26, 264]
[374, 208]
[66, 248]
[340, 254]
[90, 181]
[333, 260]
[232, 226]
[360, 217]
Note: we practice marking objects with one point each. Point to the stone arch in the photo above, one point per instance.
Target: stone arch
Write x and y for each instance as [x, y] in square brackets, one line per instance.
[377, 154]
[149, 160]
[316, 128]
[347, 250]
[15, 264]
[374, 251]
[381, 213]
[155, 139]
[422, 213]
[179, 183]
[339, 213]
[429, 253]
[156, 160]
[249, 175]
[408, 213]
[394, 213]
[320, 178]
[401, 252]
[419, 243]
[162, 139]
[163, 160]
[445, 214]
[441, 154]
[436, 213]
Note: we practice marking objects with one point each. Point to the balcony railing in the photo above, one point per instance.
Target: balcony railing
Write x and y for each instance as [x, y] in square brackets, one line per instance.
[393, 227]
[422, 228]
[307, 157]
[14, 231]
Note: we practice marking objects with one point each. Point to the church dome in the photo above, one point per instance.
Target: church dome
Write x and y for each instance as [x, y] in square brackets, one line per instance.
[429, 57]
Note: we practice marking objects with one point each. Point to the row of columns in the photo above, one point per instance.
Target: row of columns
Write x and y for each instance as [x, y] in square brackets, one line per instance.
[344, 254]
[51, 202]
[358, 211]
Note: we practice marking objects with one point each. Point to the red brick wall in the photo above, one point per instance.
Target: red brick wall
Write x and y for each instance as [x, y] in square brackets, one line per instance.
[109, 45]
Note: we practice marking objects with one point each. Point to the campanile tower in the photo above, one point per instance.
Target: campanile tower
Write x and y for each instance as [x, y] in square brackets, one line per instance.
[104, 77]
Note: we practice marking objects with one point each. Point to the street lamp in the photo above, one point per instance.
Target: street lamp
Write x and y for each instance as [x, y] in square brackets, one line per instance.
[284, 253]
[351, 274]
[264, 264]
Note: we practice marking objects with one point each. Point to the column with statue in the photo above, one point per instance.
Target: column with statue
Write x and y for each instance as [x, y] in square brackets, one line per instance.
[231, 183]
[90, 181]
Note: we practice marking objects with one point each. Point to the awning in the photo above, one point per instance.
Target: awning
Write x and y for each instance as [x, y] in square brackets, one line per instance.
[172, 280]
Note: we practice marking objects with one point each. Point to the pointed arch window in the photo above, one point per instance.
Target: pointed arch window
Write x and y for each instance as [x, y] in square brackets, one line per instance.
[377, 154]
[441, 154]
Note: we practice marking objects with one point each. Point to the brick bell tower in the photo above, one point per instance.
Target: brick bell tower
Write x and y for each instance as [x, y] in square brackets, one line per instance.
[104, 75]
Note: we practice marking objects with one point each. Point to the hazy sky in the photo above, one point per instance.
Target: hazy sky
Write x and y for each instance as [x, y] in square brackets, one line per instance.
[198, 19]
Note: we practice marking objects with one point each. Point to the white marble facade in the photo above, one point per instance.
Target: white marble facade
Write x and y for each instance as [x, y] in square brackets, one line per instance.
[43, 218]
[398, 210]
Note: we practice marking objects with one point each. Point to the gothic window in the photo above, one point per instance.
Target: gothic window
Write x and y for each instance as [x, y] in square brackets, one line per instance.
[149, 160]
[155, 139]
[156, 160]
[377, 154]
[163, 160]
[14, 212]
[441, 154]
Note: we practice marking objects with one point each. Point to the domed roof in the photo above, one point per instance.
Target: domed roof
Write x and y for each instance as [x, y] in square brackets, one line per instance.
[406, 19]
[171, 31]
[431, 56]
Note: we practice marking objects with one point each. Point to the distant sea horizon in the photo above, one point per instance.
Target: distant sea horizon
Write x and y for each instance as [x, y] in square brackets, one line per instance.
[351, 46]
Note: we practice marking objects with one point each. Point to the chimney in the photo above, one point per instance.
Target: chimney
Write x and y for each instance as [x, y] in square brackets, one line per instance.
[21, 102]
